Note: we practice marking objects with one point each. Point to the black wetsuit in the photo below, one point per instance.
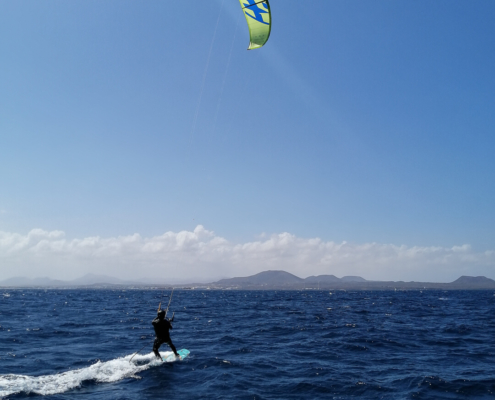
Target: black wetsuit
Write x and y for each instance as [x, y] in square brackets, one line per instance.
[162, 327]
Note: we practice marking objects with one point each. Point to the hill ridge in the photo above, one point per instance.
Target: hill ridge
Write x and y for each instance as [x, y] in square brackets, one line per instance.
[265, 280]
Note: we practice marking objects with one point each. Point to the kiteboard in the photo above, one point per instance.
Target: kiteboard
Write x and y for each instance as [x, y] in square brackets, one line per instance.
[171, 357]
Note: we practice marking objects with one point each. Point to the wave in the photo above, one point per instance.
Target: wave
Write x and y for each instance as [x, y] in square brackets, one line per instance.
[108, 371]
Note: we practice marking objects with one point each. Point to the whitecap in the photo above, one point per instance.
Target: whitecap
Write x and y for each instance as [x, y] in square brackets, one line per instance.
[108, 371]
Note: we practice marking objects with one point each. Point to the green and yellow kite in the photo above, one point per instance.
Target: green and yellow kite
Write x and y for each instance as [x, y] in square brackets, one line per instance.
[259, 21]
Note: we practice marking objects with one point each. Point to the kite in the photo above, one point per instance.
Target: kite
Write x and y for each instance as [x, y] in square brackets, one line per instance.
[259, 21]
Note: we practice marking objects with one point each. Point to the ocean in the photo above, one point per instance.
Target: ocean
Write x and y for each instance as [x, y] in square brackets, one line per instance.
[76, 344]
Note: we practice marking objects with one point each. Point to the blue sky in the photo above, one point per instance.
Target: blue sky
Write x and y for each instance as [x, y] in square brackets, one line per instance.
[363, 122]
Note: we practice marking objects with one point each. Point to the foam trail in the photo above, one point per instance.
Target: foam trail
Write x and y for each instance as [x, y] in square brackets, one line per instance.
[108, 371]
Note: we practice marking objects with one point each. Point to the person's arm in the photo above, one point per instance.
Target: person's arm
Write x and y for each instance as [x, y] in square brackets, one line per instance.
[155, 321]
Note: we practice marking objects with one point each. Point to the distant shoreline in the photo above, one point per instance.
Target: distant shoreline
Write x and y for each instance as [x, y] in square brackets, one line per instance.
[267, 280]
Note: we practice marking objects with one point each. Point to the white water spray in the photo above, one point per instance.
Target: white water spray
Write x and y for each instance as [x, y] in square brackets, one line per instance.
[108, 371]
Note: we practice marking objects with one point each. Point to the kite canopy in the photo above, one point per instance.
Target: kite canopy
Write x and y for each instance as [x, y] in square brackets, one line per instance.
[259, 20]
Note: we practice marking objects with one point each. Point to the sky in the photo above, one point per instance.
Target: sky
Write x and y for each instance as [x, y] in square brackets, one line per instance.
[142, 139]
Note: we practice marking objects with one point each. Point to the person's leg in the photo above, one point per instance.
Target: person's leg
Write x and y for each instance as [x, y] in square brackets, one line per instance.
[156, 346]
[173, 348]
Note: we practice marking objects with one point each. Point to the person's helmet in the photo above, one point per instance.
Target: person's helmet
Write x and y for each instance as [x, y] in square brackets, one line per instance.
[161, 314]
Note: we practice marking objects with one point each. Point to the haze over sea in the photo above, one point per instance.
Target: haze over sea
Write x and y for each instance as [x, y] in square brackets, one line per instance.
[76, 344]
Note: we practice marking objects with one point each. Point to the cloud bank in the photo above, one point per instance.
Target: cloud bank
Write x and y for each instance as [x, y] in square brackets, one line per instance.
[200, 255]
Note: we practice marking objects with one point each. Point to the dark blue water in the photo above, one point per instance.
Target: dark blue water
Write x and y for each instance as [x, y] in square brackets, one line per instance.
[76, 344]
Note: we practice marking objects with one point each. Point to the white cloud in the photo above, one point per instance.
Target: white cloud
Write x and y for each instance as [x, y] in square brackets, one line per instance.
[201, 255]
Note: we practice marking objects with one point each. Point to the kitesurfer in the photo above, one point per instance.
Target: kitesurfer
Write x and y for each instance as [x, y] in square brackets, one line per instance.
[162, 326]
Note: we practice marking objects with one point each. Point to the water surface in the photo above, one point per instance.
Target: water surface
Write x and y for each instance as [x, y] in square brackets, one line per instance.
[76, 344]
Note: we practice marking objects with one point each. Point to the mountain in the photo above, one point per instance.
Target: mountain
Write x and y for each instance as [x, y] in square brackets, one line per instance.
[26, 282]
[86, 280]
[473, 282]
[322, 279]
[266, 278]
[352, 279]
[478, 280]
[283, 280]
